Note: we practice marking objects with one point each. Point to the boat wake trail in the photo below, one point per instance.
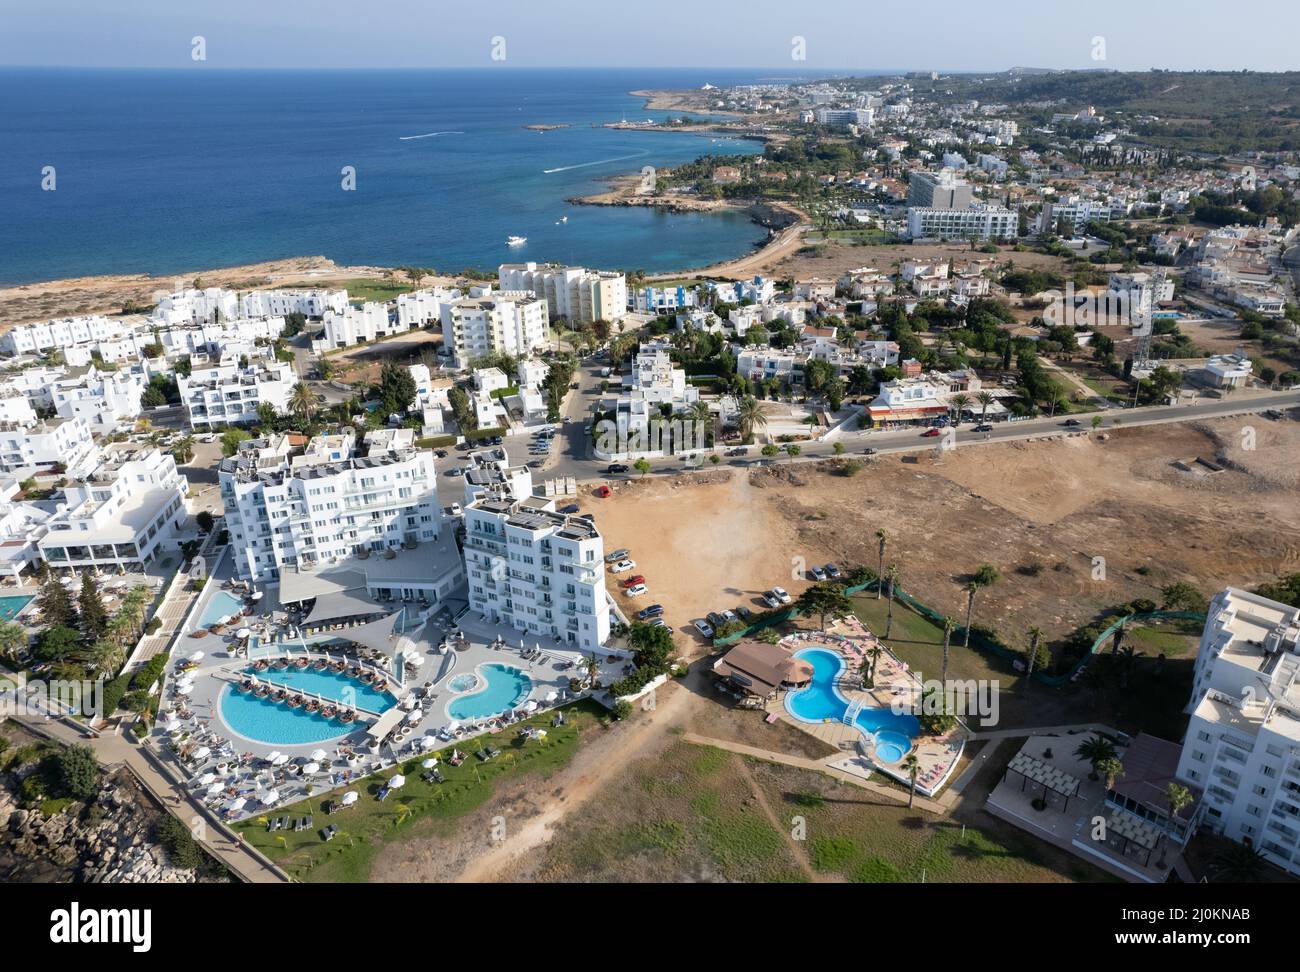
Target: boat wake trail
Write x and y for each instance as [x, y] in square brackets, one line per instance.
[583, 165]
[409, 138]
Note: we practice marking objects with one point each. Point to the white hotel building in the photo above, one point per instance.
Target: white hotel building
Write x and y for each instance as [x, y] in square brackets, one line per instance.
[423, 308]
[104, 399]
[1242, 745]
[126, 512]
[209, 338]
[196, 306]
[48, 442]
[330, 505]
[353, 325]
[980, 222]
[228, 394]
[536, 570]
[581, 296]
[65, 333]
[506, 322]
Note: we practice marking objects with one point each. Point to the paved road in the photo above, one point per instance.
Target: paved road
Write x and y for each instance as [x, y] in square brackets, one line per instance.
[570, 462]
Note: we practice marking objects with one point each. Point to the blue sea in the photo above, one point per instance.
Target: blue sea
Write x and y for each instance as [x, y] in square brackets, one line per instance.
[180, 170]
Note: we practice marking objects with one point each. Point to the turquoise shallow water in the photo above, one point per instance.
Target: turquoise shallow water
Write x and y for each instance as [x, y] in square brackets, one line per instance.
[892, 732]
[12, 604]
[222, 605]
[506, 687]
[273, 722]
[247, 167]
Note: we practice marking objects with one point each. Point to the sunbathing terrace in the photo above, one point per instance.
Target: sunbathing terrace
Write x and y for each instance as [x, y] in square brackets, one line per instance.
[849, 638]
[1137, 842]
[415, 665]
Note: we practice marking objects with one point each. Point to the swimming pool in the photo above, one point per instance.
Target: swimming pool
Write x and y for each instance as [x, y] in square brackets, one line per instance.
[267, 721]
[222, 606]
[892, 733]
[465, 682]
[11, 605]
[506, 687]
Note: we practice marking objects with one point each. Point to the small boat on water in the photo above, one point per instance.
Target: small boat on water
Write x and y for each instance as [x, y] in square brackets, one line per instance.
[516, 240]
[562, 220]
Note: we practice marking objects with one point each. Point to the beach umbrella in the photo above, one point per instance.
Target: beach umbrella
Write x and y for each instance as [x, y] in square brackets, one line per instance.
[429, 763]
[552, 696]
[270, 797]
[257, 595]
[530, 705]
[185, 688]
[243, 633]
[453, 725]
[415, 715]
[196, 656]
[311, 768]
[280, 760]
[319, 755]
[238, 804]
[397, 782]
[207, 778]
[273, 755]
[203, 752]
[216, 789]
[351, 797]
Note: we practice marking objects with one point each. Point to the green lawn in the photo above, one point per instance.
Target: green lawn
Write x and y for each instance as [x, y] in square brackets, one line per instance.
[1173, 639]
[699, 813]
[374, 288]
[418, 807]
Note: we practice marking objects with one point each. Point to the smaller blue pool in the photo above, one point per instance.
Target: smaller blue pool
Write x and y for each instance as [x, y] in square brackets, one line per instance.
[11, 605]
[463, 683]
[506, 687]
[222, 606]
[891, 746]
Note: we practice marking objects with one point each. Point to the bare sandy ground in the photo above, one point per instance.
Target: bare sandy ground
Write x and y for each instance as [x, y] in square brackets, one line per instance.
[107, 294]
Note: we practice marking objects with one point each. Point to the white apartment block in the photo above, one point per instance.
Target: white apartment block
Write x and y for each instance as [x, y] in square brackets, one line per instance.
[938, 190]
[1078, 212]
[538, 571]
[653, 385]
[1142, 290]
[281, 303]
[48, 442]
[506, 322]
[104, 399]
[355, 325]
[423, 308]
[213, 304]
[228, 393]
[1242, 745]
[580, 296]
[129, 509]
[65, 333]
[430, 399]
[661, 300]
[979, 222]
[214, 339]
[329, 505]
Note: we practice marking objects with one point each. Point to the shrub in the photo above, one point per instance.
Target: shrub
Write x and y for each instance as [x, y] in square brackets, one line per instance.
[180, 845]
[77, 772]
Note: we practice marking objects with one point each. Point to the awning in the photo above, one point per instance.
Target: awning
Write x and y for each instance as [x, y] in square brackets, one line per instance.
[341, 605]
[378, 635]
[386, 723]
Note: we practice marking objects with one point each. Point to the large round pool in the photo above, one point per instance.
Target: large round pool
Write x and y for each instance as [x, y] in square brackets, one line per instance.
[506, 687]
[264, 720]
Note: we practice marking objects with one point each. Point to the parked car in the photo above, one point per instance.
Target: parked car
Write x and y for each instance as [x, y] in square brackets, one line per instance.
[454, 509]
[617, 467]
[1071, 423]
[868, 451]
[623, 566]
[661, 623]
[570, 508]
[653, 611]
[603, 491]
[619, 554]
[782, 595]
[636, 591]
[716, 619]
[931, 433]
[455, 471]
[738, 451]
[440, 453]
[984, 427]
[730, 616]
[634, 580]
[818, 573]
[703, 627]
[743, 612]
[536, 464]
[771, 600]
[832, 572]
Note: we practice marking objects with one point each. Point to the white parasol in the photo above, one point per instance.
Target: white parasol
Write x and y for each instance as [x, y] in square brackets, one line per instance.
[311, 768]
[349, 798]
[397, 782]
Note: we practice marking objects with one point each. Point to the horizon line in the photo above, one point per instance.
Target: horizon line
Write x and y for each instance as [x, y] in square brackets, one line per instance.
[838, 71]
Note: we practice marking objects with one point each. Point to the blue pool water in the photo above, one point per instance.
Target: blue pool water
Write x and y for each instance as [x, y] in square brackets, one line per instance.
[12, 604]
[222, 605]
[273, 722]
[506, 687]
[463, 683]
[821, 700]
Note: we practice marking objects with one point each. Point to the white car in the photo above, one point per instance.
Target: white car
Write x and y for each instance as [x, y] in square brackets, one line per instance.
[782, 595]
[454, 509]
[623, 565]
[703, 627]
[636, 591]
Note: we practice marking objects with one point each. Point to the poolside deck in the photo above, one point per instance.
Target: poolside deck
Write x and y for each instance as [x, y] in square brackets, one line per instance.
[848, 638]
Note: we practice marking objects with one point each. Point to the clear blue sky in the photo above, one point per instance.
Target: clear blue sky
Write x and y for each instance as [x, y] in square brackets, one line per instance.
[841, 34]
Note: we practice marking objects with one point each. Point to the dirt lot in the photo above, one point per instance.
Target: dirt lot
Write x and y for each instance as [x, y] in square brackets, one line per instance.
[107, 294]
[833, 259]
[1038, 511]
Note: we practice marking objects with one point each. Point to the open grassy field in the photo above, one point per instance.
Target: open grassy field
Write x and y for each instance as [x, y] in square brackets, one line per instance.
[697, 813]
[418, 808]
[376, 288]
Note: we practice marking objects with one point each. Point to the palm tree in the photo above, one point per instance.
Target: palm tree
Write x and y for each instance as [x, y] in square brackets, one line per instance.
[948, 625]
[1237, 864]
[1095, 749]
[873, 656]
[986, 575]
[13, 639]
[889, 616]
[1177, 797]
[881, 538]
[1035, 635]
[751, 416]
[913, 767]
[1112, 769]
[985, 399]
[957, 403]
[303, 402]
